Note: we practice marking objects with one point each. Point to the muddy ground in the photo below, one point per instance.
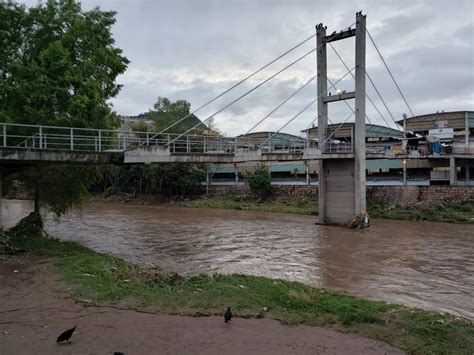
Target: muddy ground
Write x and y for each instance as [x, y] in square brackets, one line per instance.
[35, 308]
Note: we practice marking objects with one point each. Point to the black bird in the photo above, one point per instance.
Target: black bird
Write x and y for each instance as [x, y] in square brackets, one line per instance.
[228, 315]
[66, 335]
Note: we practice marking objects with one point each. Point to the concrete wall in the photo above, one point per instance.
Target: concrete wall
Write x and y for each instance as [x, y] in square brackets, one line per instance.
[390, 194]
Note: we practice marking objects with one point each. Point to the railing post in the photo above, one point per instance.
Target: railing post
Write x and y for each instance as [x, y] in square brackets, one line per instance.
[71, 137]
[188, 147]
[124, 141]
[147, 139]
[205, 145]
[4, 135]
[100, 141]
[40, 137]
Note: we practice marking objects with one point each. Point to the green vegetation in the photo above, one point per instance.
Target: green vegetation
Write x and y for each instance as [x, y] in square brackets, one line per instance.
[260, 182]
[165, 113]
[161, 179]
[58, 64]
[298, 206]
[449, 212]
[58, 67]
[103, 280]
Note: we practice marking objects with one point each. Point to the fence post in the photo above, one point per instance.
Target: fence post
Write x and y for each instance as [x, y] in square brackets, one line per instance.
[71, 137]
[40, 137]
[124, 141]
[188, 147]
[100, 140]
[147, 139]
[4, 135]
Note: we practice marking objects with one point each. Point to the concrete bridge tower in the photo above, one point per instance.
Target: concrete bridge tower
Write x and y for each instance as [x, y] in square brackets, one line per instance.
[342, 193]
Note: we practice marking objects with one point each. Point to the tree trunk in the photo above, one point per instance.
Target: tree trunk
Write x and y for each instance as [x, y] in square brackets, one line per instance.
[37, 204]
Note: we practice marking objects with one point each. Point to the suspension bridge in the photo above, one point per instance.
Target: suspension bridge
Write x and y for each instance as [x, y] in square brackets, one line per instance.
[342, 164]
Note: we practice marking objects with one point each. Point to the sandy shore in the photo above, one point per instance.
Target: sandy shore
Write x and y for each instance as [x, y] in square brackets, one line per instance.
[35, 308]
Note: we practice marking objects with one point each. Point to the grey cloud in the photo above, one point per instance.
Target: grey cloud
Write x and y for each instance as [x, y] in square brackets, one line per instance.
[194, 50]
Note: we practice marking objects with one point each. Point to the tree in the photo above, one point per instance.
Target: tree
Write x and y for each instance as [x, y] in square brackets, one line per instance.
[59, 187]
[58, 65]
[260, 182]
[165, 113]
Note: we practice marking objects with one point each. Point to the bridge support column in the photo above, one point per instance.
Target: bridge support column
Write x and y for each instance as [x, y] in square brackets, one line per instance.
[321, 62]
[342, 180]
[359, 131]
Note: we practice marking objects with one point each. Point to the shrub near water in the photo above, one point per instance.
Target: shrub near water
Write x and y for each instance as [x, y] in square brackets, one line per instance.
[260, 182]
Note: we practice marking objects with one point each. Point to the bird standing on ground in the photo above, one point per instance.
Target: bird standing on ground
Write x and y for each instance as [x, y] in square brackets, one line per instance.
[228, 315]
[65, 336]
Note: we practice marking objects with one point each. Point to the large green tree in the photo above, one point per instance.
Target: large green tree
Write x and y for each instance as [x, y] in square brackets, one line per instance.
[58, 64]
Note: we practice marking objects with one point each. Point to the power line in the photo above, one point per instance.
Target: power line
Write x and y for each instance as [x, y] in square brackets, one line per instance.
[282, 103]
[391, 75]
[242, 96]
[237, 84]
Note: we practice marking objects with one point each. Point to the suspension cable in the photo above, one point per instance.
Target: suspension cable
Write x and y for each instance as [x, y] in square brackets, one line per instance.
[281, 104]
[337, 129]
[391, 75]
[298, 45]
[238, 83]
[299, 113]
[243, 95]
[368, 97]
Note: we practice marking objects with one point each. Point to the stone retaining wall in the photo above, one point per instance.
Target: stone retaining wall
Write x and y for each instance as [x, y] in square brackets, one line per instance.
[389, 194]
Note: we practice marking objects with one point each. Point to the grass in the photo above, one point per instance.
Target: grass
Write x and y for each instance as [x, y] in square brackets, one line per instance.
[448, 212]
[296, 205]
[103, 279]
[436, 212]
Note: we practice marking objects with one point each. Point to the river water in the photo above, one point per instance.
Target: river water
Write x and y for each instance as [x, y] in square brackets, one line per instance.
[426, 265]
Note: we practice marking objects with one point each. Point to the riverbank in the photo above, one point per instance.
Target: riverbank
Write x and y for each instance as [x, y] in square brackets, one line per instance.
[448, 212]
[36, 307]
[103, 280]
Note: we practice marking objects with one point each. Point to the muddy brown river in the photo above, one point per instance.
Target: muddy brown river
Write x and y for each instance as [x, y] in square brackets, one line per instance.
[426, 265]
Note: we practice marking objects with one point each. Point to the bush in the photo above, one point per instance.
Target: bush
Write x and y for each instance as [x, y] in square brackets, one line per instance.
[260, 183]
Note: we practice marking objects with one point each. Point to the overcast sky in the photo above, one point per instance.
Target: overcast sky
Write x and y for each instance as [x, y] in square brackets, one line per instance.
[193, 50]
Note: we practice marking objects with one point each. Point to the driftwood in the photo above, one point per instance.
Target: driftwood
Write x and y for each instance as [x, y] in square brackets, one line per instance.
[360, 221]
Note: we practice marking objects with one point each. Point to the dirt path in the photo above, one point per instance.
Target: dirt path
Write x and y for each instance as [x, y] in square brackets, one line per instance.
[35, 308]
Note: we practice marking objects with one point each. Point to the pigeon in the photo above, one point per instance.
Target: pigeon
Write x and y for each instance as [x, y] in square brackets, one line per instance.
[228, 315]
[66, 335]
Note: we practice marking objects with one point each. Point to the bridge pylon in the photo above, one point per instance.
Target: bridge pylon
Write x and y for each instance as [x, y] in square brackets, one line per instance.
[342, 194]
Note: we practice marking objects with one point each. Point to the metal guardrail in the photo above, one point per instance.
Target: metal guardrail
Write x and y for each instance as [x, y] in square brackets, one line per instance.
[22, 136]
